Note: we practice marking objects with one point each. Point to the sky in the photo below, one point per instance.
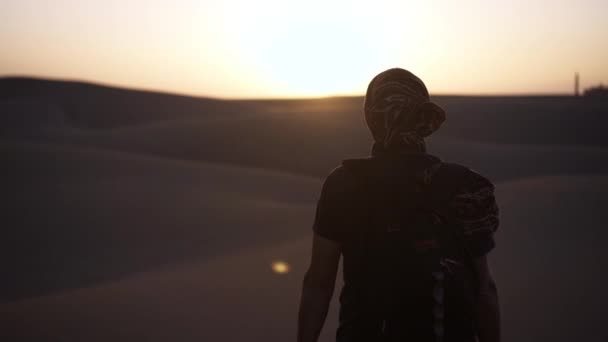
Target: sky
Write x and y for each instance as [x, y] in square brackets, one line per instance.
[285, 48]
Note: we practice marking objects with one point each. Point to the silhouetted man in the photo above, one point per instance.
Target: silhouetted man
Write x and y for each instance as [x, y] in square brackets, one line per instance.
[413, 232]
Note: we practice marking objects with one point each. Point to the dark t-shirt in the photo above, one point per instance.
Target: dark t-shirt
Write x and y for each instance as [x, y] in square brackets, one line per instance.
[470, 202]
[463, 198]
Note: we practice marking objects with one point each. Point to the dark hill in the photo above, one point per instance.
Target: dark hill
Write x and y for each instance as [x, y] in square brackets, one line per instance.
[501, 119]
[304, 136]
[89, 105]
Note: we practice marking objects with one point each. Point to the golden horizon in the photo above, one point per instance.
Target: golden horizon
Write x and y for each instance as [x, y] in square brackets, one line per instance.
[235, 49]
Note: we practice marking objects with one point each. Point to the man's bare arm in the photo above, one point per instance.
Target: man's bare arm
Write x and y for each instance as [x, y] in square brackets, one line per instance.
[488, 312]
[318, 288]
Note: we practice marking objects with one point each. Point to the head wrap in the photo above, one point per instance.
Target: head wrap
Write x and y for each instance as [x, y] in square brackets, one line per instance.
[398, 110]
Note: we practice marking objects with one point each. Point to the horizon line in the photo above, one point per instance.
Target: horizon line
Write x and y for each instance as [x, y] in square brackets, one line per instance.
[264, 98]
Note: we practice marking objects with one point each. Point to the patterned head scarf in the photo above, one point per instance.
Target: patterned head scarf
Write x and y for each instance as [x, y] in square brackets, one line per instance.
[398, 110]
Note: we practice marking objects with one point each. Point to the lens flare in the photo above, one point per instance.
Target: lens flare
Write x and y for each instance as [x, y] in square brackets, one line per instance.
[280, 267]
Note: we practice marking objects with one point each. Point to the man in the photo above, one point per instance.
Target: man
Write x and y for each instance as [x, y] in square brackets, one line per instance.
[413, 231]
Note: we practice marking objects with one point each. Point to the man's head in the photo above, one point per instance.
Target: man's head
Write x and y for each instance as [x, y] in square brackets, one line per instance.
[398, 109]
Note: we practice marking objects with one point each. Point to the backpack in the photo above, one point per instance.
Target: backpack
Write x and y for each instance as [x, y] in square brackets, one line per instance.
[415, 277]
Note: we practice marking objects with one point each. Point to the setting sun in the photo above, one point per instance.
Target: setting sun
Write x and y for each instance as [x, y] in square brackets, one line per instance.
[312, 48]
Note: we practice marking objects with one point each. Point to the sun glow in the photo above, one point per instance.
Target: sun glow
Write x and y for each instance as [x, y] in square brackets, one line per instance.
[288, 48]
[320, 47]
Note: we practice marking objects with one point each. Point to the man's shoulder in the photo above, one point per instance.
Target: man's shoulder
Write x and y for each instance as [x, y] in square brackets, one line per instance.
[339, 174]
[346, 178]
[340, 179]
[337, 206]
[457, 177]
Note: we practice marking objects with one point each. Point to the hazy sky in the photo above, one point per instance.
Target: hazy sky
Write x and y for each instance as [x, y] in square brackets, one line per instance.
[278, 48]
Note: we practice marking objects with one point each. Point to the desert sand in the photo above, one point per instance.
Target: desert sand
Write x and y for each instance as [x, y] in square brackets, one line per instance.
[143, 216]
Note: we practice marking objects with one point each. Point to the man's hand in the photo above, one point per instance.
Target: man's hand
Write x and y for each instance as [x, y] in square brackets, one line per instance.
[318, 288]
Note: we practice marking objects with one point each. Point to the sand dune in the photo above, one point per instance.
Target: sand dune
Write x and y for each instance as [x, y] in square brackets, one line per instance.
[92, 106]
[313, 145]
[550, 258]
[31, 116]
[500, 162]
[549, 268]
[503, 137]
[136, 215]
[558, 120]
[79, 216]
